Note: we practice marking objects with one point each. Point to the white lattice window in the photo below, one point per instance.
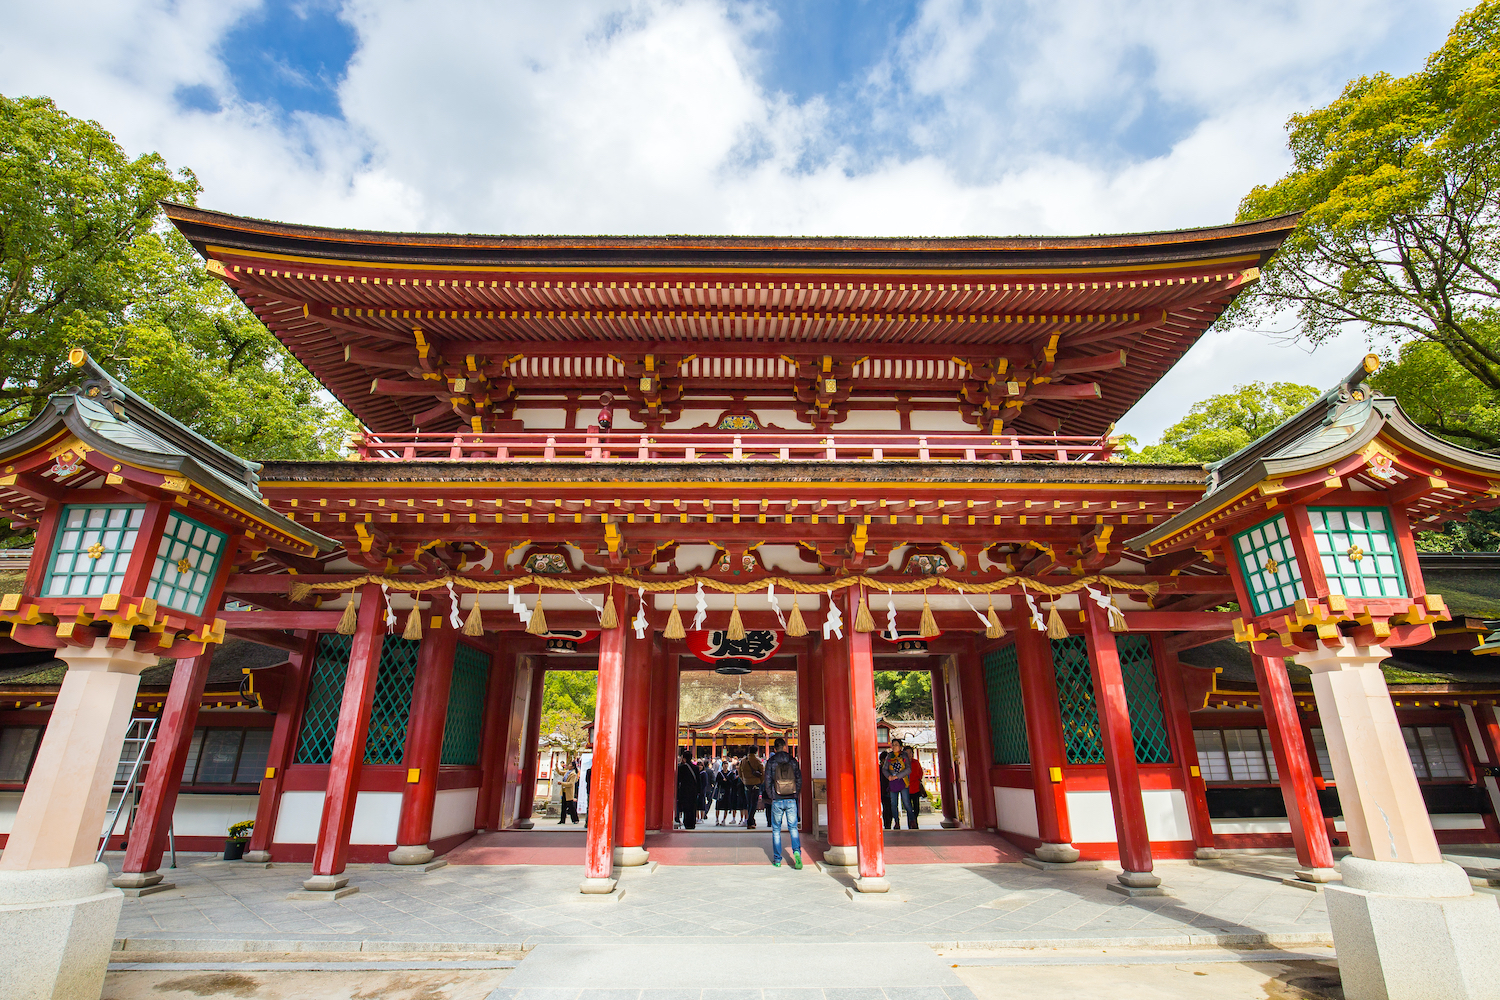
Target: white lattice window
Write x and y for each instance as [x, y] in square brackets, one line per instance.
[92, 550]
[1269, 565]
[186, 561]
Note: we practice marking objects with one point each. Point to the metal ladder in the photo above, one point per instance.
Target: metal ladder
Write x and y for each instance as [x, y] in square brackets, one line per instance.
[139, 739]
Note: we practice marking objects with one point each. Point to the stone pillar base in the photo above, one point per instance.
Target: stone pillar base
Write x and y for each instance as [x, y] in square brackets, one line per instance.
[1207, 854]
[137, 884]
[525, 824]
[843, 856]
[1318, 874]
[872, 884]
[629, 857]
[258, 857]
[58, 925]
[324, 889]
[949, 824]
[600, 887]
[411, 854]
[1058, 854]
[1136, 884]
[1407, 931]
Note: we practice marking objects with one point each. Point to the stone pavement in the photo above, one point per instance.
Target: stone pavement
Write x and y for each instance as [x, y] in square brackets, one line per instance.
[233, 907]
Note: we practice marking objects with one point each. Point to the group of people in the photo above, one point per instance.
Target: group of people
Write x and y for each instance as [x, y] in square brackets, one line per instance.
[901, 788]
[735, 787]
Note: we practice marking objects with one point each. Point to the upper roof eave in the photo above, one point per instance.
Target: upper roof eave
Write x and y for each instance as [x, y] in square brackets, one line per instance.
[204, 228]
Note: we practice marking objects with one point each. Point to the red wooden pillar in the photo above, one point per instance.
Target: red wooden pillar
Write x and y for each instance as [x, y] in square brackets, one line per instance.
[1294, 768]
[1180, 723]
[809, 713]
[331, 853]
[1489, 742]
[424, 739]
[495, 738]
[174, 737]
[842, 833]
[1045, 744]
[975, 705]
[670, 701]
[599, 852]
[864, 744]
[635, 719]
[656, 738]
[1119, 754]
[531, 747]
[944, 749]
[283, 750]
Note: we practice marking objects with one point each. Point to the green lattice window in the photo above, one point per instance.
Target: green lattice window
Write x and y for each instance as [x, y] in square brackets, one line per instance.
[1358, 550]
[471, 669]
[92, 550]
[1148, 724]
[1080, 711]
[391, 709]
[1075, 699]
[1002, 682]
[320, 719]
[1269, 565]
[389, 713]
[186, 561]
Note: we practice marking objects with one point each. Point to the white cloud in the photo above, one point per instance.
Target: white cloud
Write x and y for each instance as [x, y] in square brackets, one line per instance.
[652, 116]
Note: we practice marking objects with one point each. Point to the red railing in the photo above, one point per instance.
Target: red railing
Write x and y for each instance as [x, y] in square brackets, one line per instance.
[762, 446]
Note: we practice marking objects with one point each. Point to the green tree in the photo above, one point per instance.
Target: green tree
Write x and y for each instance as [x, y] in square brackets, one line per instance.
[1221, 425]
[1398, 181]
[566, 730]
[86, 260]
[908, 693]
[570, 691]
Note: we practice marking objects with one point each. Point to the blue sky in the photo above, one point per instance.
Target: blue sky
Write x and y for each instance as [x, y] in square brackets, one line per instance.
[798, 117]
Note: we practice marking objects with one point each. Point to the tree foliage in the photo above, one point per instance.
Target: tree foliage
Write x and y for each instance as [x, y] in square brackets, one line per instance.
[908, 693]
[570, 690]
[1221, 425]
[566, 730]
[1398, 181]
[86, 260]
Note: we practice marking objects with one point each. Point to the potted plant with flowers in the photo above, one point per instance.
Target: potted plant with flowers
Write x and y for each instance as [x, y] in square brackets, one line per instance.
[239, 836]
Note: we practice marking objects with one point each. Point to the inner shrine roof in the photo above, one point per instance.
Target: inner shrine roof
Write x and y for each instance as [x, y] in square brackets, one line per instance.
[552, 314]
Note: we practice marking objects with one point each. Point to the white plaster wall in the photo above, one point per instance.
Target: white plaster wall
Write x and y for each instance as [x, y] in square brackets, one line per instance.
[298, 818]
[940, 421]
[870, 420]
[376, 815]
[1015, 811]
[1457, 821]
[209, 815]
[550, 419]
[453, 811]
[1093, 819]
[9, 803]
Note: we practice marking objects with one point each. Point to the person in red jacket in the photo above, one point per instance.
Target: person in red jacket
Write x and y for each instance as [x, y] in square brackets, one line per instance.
[914, 792]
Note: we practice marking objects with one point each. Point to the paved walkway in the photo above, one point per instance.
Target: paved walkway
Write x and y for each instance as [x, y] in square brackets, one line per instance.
[231, 906]
[729, 846]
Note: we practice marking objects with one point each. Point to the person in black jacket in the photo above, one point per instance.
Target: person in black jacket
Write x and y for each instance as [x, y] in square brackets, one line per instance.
[687, 790]
[782, 784]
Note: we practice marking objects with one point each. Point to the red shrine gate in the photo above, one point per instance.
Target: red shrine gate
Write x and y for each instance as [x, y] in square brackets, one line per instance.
[827, 439]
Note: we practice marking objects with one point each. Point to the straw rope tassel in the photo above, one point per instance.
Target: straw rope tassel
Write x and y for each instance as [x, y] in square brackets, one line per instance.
[1055, 627]
[674, 629]
[414, 620]
[538, 623]
[994, 630]
[1117, 618]
[299, 592]
[863, 620]
[347, 619]
[736, 630]
[474, 624]
[795, 626]
[608, 619]
[927, 628]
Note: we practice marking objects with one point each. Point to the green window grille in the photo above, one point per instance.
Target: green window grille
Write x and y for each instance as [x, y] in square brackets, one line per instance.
[1358, 550]
[186, 561]
[391, 709]
[471, 669]
[92, 550]
[1002, 682]
[1148, 724]
[1075, 698]
[1080, 711]
[1269, 565]
[325, 691]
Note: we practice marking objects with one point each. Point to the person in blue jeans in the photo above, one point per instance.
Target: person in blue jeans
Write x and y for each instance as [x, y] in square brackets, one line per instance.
[896, 770]
[782, 784]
